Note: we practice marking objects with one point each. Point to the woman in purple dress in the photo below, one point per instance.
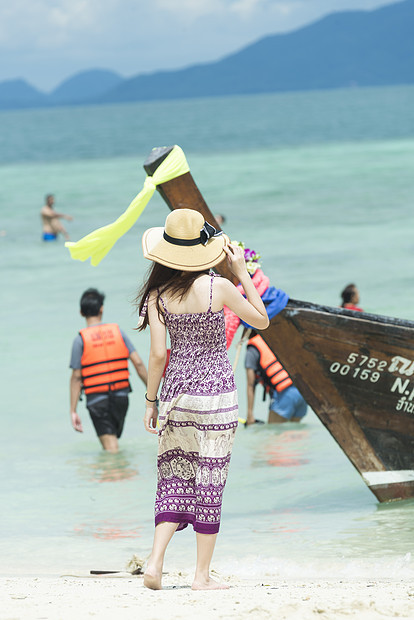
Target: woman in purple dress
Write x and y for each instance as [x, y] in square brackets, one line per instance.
[198, 412]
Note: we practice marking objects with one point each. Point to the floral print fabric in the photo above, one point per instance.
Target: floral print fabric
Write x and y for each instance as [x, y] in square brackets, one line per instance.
[198, 415]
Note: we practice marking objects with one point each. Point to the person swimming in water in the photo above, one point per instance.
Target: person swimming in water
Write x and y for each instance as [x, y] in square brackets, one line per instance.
[51, 226]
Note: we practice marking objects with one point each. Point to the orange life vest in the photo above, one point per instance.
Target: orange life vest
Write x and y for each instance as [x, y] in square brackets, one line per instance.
[105, 359]
[274, 373]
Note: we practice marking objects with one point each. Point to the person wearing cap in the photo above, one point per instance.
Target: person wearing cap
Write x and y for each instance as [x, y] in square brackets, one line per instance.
[198, 412]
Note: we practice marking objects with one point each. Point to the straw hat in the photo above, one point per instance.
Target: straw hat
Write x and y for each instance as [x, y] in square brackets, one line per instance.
[187, 242]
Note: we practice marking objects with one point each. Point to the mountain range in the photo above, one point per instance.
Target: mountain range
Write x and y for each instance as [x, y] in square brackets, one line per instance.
[344, 49]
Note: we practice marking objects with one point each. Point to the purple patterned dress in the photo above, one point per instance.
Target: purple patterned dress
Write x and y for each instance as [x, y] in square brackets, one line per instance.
[198, 416]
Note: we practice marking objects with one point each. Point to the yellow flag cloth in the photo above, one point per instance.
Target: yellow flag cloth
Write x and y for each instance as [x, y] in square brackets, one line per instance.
[97, 244]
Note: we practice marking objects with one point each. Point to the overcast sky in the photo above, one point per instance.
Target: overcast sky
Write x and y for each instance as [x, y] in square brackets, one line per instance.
[46, 41]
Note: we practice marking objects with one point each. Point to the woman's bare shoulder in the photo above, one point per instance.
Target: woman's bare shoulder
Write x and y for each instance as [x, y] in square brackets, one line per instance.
[223, 283]
[223, 288]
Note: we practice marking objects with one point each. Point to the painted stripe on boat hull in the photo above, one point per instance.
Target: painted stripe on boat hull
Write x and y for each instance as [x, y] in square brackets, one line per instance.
[373, 478]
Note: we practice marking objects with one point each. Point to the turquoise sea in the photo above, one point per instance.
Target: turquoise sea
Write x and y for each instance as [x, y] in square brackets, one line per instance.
[322, 185]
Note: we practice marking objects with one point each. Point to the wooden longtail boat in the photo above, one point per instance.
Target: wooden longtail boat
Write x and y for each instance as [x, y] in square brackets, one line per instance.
[356, 370]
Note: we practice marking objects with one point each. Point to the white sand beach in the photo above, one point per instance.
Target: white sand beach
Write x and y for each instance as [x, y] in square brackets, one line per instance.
[124, 597]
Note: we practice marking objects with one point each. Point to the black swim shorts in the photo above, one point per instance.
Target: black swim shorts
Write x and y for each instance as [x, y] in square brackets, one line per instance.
[108, 415]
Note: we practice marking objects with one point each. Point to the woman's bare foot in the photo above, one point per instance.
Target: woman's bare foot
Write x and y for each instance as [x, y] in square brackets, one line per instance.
[152, 579]
[209, 584]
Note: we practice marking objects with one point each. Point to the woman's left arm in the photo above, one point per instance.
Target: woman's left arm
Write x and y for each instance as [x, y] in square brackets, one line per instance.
[156, 363]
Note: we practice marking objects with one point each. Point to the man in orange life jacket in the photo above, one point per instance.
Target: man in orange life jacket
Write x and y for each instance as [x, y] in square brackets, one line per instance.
[99, 363]
[287, 404]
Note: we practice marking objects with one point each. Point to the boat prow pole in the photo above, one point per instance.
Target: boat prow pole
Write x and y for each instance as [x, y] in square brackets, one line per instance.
[183, 193]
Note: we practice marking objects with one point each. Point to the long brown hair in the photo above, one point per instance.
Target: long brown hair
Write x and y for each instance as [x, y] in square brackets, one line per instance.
[161, 279]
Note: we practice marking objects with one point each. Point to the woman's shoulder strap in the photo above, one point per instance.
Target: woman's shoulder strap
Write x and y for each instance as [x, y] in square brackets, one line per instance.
[144, 307]
[212, 276]
[162, 301]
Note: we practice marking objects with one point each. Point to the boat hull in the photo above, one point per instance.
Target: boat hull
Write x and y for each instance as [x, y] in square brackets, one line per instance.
[356, 371]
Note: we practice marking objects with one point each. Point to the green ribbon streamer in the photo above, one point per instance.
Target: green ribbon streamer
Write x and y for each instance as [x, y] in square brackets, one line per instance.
[98, 243]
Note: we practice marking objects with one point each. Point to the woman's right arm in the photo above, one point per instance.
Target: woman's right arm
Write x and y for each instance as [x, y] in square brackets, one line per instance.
[252, 309]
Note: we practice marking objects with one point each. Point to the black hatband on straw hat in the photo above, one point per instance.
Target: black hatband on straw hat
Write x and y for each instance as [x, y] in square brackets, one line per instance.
[206, 233]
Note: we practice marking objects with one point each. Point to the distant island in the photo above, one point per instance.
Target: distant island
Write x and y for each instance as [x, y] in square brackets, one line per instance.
[344, 49]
